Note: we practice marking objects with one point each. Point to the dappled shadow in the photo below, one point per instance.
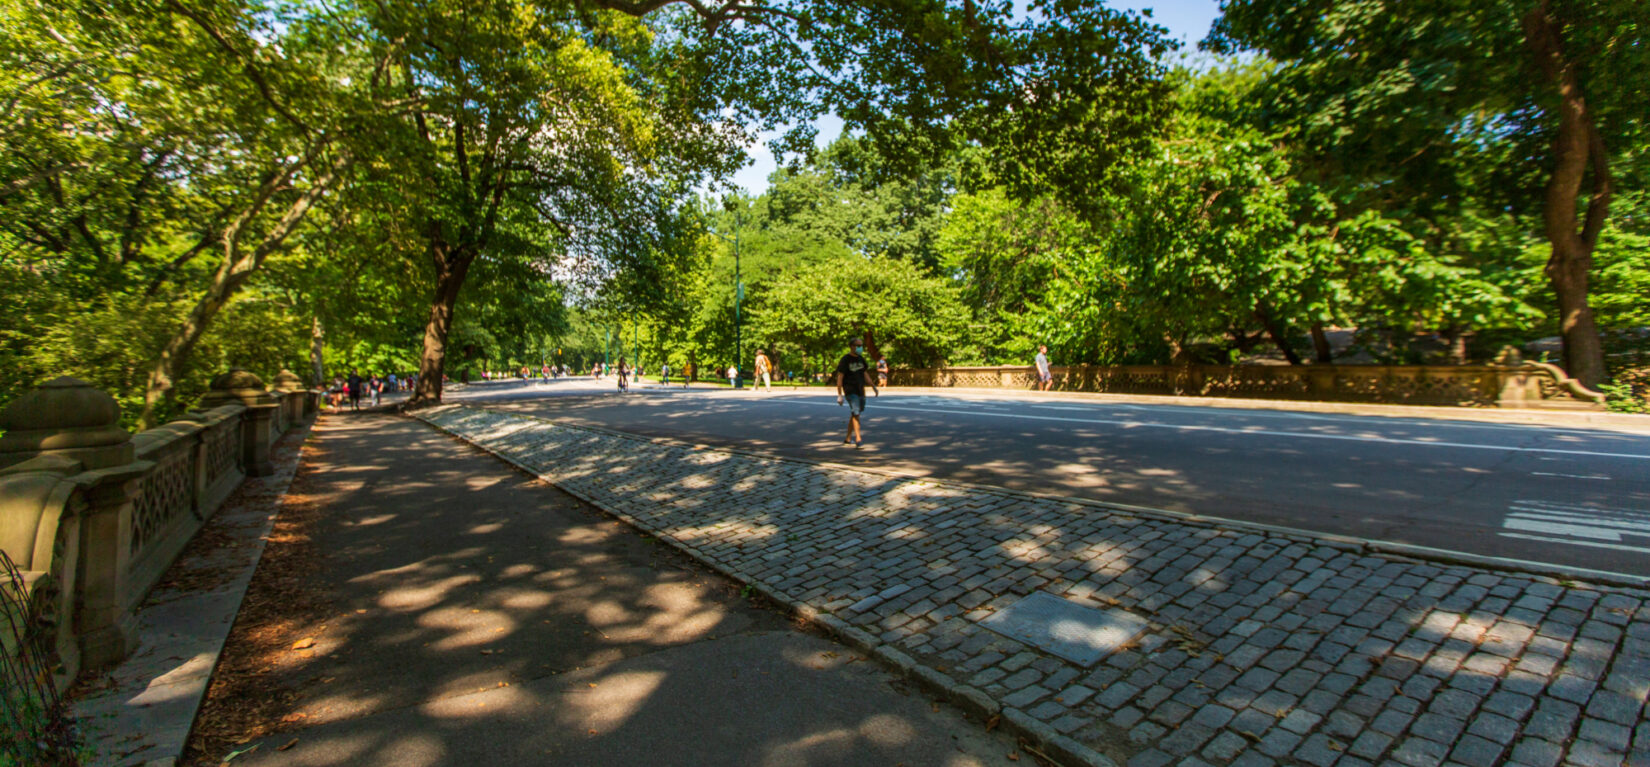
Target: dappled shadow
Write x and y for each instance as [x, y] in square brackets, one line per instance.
[1437, 483]
[479, 615]
[1246, 629]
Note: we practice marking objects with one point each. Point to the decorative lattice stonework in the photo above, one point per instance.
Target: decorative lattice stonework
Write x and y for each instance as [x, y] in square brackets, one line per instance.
[222, 451]
[166, 492]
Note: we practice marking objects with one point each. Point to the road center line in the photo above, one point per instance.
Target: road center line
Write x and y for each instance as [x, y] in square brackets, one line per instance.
[1256, 432]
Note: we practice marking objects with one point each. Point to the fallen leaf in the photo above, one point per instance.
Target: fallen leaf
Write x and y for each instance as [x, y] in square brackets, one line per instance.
[289, 744]
[991, 724]
[304, 644]
[1013, 757]
[592, 732]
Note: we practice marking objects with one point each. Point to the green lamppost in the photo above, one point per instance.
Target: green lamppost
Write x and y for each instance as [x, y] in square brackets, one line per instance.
[738, 295]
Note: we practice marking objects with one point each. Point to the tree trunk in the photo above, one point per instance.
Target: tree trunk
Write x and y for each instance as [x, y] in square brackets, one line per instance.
[1320, 345]
[1277, 335]
[453, 266]
[1577, 148]
[317, 346]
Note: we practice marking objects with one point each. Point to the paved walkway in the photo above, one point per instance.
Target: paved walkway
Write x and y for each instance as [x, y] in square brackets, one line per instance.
[1261, 648]
[467, 615]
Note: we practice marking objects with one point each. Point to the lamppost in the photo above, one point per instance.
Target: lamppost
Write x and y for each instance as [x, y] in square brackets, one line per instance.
[738, 296]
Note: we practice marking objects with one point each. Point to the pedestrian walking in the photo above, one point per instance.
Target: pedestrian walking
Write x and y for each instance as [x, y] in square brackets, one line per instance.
[624, 375]
[664, 374]
[764, 371]
[375, 387]
[852, 375]
[733, 376]
[1045, 376]
[355, 384]
[687, 375]
[882, 370]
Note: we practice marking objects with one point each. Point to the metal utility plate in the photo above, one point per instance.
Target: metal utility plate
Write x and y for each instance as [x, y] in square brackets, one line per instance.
[1082, 635]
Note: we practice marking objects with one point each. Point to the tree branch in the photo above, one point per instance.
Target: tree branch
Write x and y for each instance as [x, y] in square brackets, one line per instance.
[247, 66]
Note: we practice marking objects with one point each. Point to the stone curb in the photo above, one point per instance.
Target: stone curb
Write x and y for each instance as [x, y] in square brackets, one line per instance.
[1342, 542]
[971, 700]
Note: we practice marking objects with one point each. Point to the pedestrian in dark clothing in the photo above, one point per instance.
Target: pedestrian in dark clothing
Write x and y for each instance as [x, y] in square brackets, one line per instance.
[853, 374]
[355, 386]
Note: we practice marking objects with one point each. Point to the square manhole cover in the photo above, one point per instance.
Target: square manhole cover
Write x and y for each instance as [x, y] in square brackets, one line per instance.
[1082, 635]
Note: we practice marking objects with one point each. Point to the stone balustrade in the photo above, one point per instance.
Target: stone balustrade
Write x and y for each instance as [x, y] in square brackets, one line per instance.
[1523, 385]
[94, 515]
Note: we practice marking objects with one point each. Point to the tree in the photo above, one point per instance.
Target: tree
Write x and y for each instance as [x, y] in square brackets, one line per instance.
[142, 136]
[916, 319]
[1394, 95]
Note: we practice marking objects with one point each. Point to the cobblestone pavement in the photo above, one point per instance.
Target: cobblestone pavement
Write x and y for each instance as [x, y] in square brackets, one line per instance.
[1263, 648]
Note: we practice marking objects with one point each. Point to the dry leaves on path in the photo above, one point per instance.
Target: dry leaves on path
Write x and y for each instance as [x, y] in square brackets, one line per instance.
[250, 697]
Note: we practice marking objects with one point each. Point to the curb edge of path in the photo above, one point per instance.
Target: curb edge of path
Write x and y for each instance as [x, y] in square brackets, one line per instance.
[1046, 741]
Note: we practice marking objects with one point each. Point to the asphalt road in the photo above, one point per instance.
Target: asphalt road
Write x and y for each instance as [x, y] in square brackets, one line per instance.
[1578, 497]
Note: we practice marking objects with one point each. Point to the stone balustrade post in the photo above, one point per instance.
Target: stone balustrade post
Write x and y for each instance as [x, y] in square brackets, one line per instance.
[69, 420]
[240, 387]
[293, 392]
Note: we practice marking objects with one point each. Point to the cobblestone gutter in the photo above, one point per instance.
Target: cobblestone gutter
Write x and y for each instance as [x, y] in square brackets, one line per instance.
[1262, 648]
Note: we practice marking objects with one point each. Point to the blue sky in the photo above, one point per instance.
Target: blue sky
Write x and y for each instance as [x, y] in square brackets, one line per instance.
[1187, 21]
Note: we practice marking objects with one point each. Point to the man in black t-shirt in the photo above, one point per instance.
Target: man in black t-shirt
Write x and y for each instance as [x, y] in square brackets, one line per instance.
[852, 376]
[356, 384]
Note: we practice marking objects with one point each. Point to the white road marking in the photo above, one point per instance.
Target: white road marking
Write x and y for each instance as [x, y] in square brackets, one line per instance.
[1255, 431]
[1567, 476]
[1559, 522]
[1579, 531]
[1573, 542]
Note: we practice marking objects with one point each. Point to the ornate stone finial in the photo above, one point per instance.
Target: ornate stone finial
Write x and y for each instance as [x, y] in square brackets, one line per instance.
[289, 381]
[1509, 355]
[68, 417]
[236, 387]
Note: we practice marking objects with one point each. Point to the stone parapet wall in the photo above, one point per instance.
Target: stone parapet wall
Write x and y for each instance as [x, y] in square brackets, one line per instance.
[94, 515]
[1528, 385]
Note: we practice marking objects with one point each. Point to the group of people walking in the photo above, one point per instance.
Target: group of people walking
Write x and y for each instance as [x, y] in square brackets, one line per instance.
[354, 387]
[853, 373]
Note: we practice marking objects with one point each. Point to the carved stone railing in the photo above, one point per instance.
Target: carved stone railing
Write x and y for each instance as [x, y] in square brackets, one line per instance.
[1527, 385]
[94, 515]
